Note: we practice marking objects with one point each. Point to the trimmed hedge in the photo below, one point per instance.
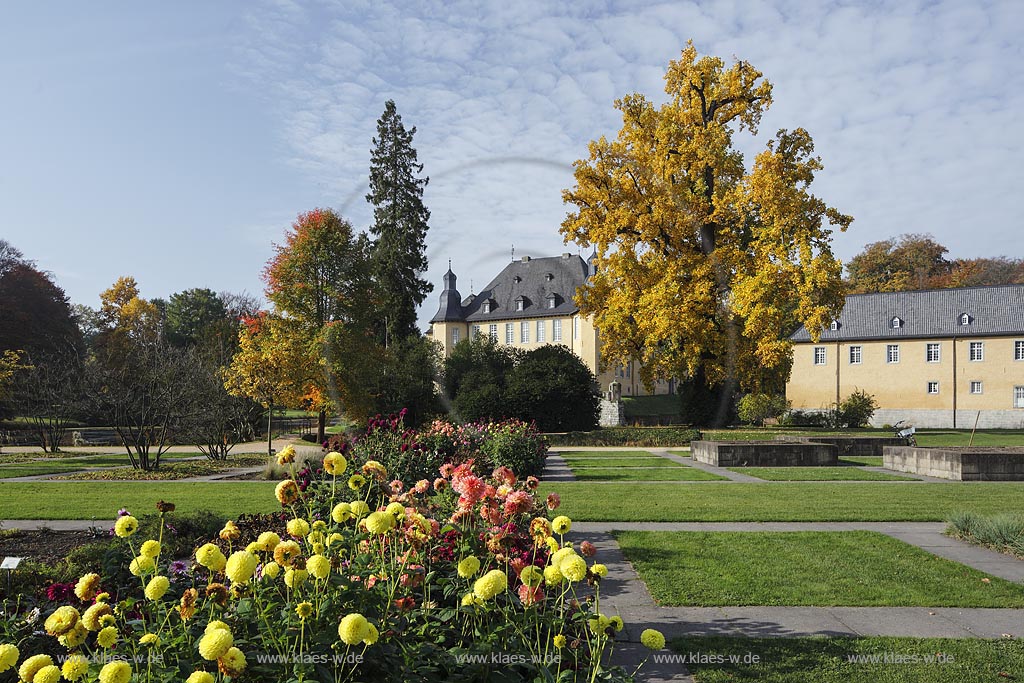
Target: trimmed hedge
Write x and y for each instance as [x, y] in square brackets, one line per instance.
[626, 436]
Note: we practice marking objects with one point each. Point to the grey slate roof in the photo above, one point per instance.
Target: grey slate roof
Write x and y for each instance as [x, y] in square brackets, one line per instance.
[932, 313]
[538, 278]
[451, 307]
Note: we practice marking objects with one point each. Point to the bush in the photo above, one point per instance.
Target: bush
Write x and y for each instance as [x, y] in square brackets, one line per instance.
[805, 418]
[516, 445]
[1003, 532]
[756, 408]
[554, 388]
[855, 411]
[649, 437]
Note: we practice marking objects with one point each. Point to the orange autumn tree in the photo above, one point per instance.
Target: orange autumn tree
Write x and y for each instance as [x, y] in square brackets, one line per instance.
[319, 282]
[703, 265]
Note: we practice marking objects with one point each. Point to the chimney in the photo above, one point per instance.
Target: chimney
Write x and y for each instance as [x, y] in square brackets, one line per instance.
[566, 255]
[526, 259]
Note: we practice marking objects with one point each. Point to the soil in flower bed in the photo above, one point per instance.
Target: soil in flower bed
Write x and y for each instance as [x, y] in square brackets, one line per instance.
[180, 470]
[45, 546]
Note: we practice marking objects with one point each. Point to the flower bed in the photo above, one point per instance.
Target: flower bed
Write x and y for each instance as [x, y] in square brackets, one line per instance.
[362, 578]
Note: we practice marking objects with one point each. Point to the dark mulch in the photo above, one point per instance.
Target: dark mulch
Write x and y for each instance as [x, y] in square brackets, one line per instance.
[44, 546]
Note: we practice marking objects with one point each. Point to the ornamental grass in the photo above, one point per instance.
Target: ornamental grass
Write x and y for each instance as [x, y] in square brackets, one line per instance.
[460, 576]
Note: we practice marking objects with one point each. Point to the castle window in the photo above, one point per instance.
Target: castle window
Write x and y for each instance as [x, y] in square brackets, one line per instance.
[476, 331]
[510, 334]
[965, 319]
[541, 331]
[1018, 350]
[556, 330]
[933, 387]
[552, 300]
[521, 303]
[492, 332]
[524, 332]
[896, 323]
[977, 351]
[486, 306]
[820, 354]
[892, 353]
[933, 353]
[834, 326]
[455, 335]
[855, 355]
[976, 387]
[576, 327]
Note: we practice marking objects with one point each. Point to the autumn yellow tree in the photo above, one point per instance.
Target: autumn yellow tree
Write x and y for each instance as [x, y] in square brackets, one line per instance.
[704, 266]
[126, 318]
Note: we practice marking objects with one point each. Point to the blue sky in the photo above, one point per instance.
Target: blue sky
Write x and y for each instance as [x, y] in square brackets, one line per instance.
[176, 141]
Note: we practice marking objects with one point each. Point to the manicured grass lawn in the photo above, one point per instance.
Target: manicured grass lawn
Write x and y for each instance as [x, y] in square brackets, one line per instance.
[782, 502]
[827, 660]
[1003, 437]
[60, 465]
[101, 500]
[622, 462]
[817, 474]
[680, 473]
[936, 437]
[606, 454]
[818, 568]
[170, 470]
[869, 460]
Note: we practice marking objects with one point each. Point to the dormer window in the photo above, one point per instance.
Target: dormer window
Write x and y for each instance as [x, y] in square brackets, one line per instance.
[834, 326]
[521, 303]
[549, 277]
[896, 323]
[517, 279]
[966, 319]
[487, 305]
[552, 300]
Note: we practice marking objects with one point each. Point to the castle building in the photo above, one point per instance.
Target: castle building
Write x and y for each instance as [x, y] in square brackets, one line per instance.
[944, 358]
[529, 304]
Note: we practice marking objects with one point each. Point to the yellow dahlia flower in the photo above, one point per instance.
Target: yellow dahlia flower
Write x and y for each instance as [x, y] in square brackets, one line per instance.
[286, 455]
[561, 524]
[241, 566]
[598, 623]
[116, 672]
[61, 621]
[551, 543]
[397, 510]
[200, 677]
[48, 674]
[87, 586]
[126, 526]
[232, 663]
[293, 578]
[215, 643]
[211, 557]
[469, 599]
[359, 508]
[230, 532]
[156, 587]
[617, 623]
[379, 522]
[319, 566]
[75, 636]
[652, 639]
[142, 565]
[271, 570]
[149, 639]
[353, 629]
[298, 528]
[598, 569]
[92, 616]
[8, 656]
[531, 576]
[573, 568]
[304, 610]
[267, 541]
[216, 625]
[286, 552]
[469, 567]
[559, 556]
[372, 635]
[107, 637]
[559, 641]
[490, 584]
[150, 548]
[552, 576]
[334, 538]
[31, 666]
[75, 667]
[335, 464]
[342, 512]
[287, 492]
[356, 482]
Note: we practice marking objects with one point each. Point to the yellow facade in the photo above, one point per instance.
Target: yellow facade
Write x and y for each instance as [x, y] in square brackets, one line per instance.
[926, 382]
[577, 333]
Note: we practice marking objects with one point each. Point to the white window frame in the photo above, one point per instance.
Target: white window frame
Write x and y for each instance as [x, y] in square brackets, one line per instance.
[492, 331]
[524, 332]
[896, 323]
[892, 354]
[980, 348]
[576, 327]
[552, 302]
[629, 370]
[1018, 349]
[820, 355]
[965, 319]
[933, 388]
[477, 331]
[542, 336]
[834, 325]
[455, 335]
[556, 330]
[510, 334]
[519, 305]
[977, 385]
[1018, 397]
[486, 308]
[937, 348]
[856, 355]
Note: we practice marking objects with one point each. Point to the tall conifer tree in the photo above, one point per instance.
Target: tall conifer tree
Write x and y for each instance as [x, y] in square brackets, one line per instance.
[399, 227]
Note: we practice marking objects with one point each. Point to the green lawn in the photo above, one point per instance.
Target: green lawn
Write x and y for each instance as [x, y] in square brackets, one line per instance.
[928, 437]
[827, 660]
[629, 455]
[622, 462]
[680, 473]
[782, 502]
[816, 568]
[817, 474]
[869, 460]
[1000, 437]
[101, 500]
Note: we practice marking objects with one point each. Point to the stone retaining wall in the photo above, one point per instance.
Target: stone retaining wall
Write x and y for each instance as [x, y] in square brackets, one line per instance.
[763, 453]
[613, 414]
[957, 464]
[849, 445]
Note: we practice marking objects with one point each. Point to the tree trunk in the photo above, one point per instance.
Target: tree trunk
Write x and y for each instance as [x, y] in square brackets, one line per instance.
[321, 427]
[270, 437]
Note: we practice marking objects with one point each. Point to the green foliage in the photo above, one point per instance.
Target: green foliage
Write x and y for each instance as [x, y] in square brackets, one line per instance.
[515, 445]
[755, 408]
[399, 226]
[649, 437]
[192, 316]
[1003, 532]
[702, 405]
[475, 376]
[855, 410]
[35, 314]
[404, 378]
[554, 388]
